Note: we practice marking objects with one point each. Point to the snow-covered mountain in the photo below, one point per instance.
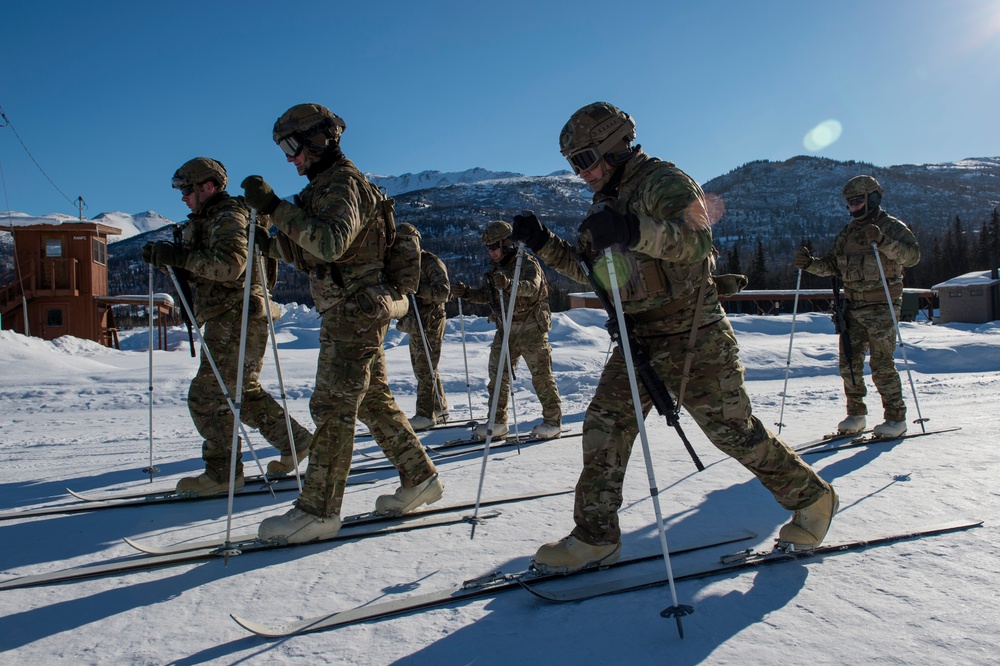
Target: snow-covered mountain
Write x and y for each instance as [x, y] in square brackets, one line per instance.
[409, 182]
[130, 225]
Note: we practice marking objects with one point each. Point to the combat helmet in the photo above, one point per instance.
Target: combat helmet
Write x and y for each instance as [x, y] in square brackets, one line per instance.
[309, 126]
[496, 232]
[197, 171]
[407, 229]
[863, 186]
[595, 131]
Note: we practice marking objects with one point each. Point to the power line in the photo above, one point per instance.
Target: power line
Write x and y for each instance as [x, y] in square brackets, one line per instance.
[11, 125]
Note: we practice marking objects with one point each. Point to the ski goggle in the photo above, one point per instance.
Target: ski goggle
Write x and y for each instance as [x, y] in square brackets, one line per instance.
[584, 159]
[182, 185]
[494, 246]
[856, 201]
[291, 146]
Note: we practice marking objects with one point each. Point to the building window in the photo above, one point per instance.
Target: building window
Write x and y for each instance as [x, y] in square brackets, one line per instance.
[53, 247]
[54, 317]
[100, 252]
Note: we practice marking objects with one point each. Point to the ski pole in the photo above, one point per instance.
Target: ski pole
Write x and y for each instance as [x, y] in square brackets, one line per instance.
[465, 357]
[510, 375]
[899, 336]
[675, 611]
[151, 470]
[244, 318]
[438, 389]
[196, 330]
[788, 360]
[495, 399]
[277, 361]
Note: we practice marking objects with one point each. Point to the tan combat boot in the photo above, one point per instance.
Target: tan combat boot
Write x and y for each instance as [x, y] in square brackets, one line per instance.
[500, 431]
[890, 429]
[203, 486]
[285, 465]
[809, 526]
[571, 554]
[405, 500]
[852, 425]
[297, 526]
[546, 430]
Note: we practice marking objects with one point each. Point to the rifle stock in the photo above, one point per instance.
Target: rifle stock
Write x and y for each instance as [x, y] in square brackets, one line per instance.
[840, 326]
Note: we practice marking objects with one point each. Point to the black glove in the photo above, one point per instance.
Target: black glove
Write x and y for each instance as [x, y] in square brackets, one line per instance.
[608, 227]
[500, 281]
[262, 240]
[259, 195]
[165, 253]
[871, 234]
[147, 252]
[459, 289]
[530, 230]
[803, 258]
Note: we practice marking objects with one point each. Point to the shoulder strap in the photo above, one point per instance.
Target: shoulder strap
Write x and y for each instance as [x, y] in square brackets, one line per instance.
[695, 321]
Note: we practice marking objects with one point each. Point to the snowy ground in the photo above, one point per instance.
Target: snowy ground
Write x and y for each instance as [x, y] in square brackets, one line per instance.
[76, 415]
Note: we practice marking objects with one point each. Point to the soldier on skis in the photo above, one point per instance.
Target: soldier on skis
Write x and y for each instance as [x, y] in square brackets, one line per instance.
[432, 294]
[337, 232]
[212, 256]
[655, 219]
[869, 322]
[529, 334]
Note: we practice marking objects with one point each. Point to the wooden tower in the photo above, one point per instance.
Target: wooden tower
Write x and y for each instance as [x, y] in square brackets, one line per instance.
[60, 271]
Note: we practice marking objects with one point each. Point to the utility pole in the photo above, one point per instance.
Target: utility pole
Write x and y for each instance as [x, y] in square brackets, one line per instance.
[80, 204]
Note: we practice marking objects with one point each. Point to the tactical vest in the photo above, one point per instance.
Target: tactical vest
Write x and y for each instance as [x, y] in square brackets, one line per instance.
[213, 297]
[650, 277]
[859, 268]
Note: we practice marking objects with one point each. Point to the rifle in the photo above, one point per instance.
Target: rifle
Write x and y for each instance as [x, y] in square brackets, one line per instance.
[185, 288]
[840, 325]
[655, 387]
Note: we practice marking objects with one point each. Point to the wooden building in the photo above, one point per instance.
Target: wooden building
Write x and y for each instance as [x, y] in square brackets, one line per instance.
[970, 298]
[60, 271]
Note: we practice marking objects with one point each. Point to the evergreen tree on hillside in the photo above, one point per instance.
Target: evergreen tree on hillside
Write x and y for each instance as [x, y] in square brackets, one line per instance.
[757, 277]
[959, 258]
[993, 246]
[733, 262]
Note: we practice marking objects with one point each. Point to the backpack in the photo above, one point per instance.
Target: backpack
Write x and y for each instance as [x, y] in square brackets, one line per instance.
[402, 253]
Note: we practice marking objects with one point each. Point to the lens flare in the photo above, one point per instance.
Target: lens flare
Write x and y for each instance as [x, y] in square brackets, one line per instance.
[821, 136]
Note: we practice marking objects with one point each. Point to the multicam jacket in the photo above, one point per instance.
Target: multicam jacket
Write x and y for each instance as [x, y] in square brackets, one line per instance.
[659, 278]
[335, 232]
[215, 240]
[532, 306]
[854, 261]
[434, 288]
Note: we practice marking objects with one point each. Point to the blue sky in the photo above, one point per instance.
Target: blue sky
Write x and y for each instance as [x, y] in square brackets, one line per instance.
[111, 97]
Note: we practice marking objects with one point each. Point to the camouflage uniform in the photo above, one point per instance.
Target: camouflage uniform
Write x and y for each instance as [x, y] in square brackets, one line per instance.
[869, 323]
[659, 279]
[529, 333]
[335, 231]
[431, 296]
[215, 244]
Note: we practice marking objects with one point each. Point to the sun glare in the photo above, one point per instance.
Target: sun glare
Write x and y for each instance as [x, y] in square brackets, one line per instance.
[821, 136]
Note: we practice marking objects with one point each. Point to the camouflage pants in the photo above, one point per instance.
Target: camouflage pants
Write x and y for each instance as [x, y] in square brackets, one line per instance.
[207, 403]
[351, 383]
[717, 400]
[870, 328]
[532, 343]
[430, 399]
